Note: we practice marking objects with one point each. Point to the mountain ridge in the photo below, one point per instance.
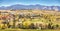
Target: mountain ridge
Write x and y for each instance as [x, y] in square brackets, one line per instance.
[37, 6]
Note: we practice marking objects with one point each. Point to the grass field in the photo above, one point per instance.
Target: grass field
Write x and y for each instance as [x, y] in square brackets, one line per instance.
[28, 30]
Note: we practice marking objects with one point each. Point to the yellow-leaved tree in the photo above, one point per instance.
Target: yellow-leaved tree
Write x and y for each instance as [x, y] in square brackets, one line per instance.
[26, 24]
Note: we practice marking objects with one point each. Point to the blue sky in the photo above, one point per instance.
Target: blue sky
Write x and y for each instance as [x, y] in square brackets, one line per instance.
[30, 2]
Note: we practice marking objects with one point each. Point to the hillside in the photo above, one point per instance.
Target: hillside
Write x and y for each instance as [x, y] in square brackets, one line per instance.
[30, 19]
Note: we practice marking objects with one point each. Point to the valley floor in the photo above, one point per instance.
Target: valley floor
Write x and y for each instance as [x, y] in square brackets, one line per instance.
[28, 30]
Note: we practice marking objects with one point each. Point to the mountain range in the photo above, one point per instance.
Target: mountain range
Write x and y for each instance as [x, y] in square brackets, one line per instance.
[37, 6]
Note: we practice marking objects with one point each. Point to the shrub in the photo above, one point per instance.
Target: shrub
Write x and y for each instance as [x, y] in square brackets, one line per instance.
[49, 26]
[32, 26]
